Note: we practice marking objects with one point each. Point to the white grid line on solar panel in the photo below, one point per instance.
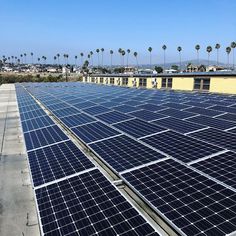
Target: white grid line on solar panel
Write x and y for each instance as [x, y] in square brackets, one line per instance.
[125, 108]
[191, 202]
[109, 104]
[113, 117]
[177, 113]
[138, 128]
[217, 137]
[122, 152]
[232, 131]
[29, 108]
[94, 131]
[32, 114]
[56, 106]
[151, 107]
[196, 104]
[77, 120]
[88, 205]
[178, 125]
[174, 105]
[180, 146]
[203, 111]
[212, 122]
[84, 105]
[220, 167]
[36, 123]
[44, 137]
[56, 161]
[227, 116]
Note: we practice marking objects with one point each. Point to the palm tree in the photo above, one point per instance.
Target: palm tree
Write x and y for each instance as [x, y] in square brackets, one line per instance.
[21, 55]
[164, 48]
[55, 58]
[150, 51]
[65, 57]
[179, 49]
[123, 57]
[136, 57]
[76, 57]
[120, 52]
[111, 52]
[32, 57]
[102, 50]
[233, 46]
[228, 50]
[217, 47]
[12, 59]
[15, 59]
[97, 51]
[82, 60]
[38, 59]
[91, 53]
[197, 47]
[128, 52]
[209, 49]
[89, 56]
[25, 57]
[58, 58]
[18, 61]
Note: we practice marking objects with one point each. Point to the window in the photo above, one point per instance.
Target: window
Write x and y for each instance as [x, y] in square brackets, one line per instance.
[202, 84]
[142, 82]
[86, 79]
[112, 80]
[101, 80]
[166, 83]
[92, 80]
[125, 81]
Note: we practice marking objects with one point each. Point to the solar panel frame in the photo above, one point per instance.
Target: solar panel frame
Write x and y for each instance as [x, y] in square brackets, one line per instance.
[146, 115]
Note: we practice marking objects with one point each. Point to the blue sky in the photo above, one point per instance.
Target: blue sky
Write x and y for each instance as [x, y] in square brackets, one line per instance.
[47, 27]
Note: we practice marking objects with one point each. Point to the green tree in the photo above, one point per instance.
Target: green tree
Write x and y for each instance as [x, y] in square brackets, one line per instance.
[228, 50]
[197, 47]
[150, 52]
[111, 53]
[123, 57]
[164, 47]
[174, 67]
[120, 52]
[209, 50]
[158, 69]
[217, 47]
[179, 49]
[25, 57]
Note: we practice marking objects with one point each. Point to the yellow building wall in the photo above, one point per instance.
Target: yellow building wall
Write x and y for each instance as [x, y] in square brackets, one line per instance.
[223, 85]
[183, 83]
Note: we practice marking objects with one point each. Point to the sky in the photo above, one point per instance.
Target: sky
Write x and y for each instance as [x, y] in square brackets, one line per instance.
[48, 27]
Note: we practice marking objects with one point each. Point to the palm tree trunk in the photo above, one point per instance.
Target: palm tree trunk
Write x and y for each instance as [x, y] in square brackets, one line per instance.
[233, 58]
[217, 57]
[198, 58]
[164, 61]
[150, 60]
[208, 60]
[228, 60]
[111, 60]
[180, 61]
[128, 60]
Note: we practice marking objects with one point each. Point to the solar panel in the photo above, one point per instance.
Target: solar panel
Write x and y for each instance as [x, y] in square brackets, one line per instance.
[32, 114]
[113, 117]
[221, 167]
[94, 132]
[36, 123]
[56, 161]
[138, 128]
[66, 111]
[197, 104]
[32, 107]
[125, 108]
[224, 109]
[109, 104]
[178, 125]
[122, 153]
[228, 116]
[176, 113]
[76, 120]
[181, 147]
[56, 106]
[175, 105]
[150, 107]
[232, 131]
[83, 105]
[132, 103]
[213, 122]
[221, 138]
[146, 115]
[95, 110]
[42, 137]
[88, 204]
[203, 111]
[192, 203]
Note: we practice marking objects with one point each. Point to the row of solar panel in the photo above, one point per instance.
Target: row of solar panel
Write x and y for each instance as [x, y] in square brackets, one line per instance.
[85, 204]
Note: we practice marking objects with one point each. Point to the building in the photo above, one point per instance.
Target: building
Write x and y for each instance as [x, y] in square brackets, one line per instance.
[215, 82]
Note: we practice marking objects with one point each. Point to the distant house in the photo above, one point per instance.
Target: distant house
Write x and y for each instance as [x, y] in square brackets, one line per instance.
[215, 68]
[170, 71]
[129, 70]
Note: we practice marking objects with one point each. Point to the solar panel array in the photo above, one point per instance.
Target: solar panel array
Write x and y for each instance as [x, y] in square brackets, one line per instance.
[175, 150]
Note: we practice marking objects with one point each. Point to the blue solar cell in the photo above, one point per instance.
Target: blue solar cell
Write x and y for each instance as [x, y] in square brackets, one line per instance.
[66, 111]
[94, 132]
[95, 110]
[113, 117]
[122, 153]
[146, 115]
[176, 113]
[203, 111]
[88, 204]
[42, 137]
[56, 161]
[125, 108]
[181, 147]
[32, 114]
